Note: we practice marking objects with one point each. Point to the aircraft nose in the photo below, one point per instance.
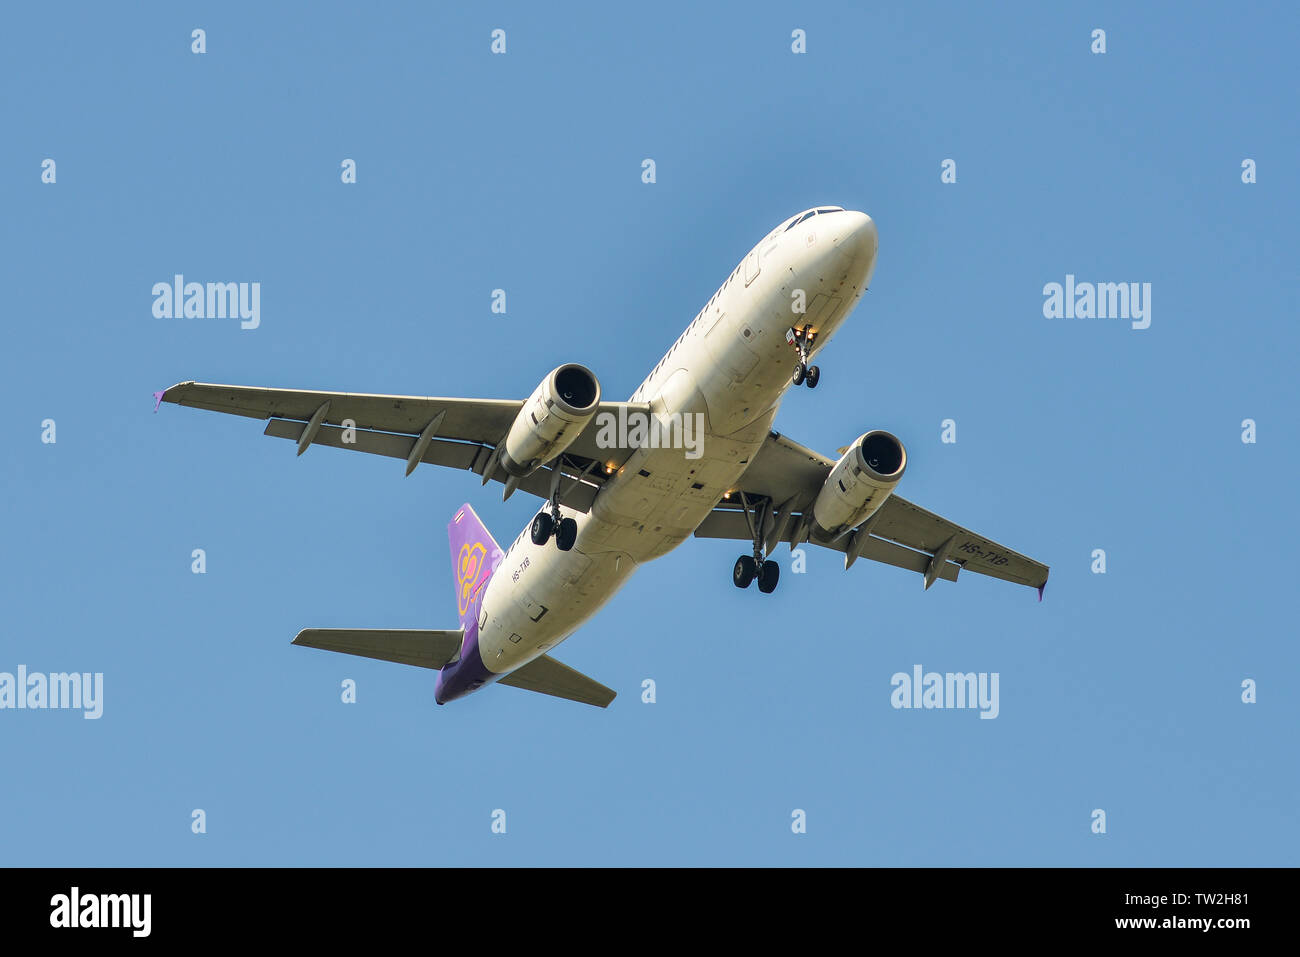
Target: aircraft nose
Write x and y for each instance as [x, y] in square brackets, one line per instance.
[858, 234]
[858, 241]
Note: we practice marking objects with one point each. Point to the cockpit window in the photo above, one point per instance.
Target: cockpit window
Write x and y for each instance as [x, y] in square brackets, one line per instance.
[811, 213]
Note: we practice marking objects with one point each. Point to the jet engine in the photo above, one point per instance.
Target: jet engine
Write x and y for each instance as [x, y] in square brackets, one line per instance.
[860, 482]
[551, 418]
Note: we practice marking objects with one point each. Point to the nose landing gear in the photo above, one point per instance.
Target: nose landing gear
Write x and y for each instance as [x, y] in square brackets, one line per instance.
[802, 340]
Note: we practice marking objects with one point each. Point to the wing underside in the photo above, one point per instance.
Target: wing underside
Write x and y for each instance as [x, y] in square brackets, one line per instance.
[450, 432]
[775, 491]
[774, 502]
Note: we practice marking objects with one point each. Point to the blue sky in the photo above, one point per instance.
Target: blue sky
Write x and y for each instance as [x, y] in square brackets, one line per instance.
[1120, 691]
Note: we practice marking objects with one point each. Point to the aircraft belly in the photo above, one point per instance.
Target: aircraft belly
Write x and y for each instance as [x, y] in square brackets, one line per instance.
[540, 595]
[731, 374]
[553, 594]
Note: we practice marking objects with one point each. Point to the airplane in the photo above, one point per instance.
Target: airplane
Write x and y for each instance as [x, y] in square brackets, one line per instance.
[616, 494]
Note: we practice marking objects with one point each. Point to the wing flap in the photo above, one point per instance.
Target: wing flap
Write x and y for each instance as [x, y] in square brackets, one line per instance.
[423, 649]
[464, 431]
[575, 493]
[545, 675]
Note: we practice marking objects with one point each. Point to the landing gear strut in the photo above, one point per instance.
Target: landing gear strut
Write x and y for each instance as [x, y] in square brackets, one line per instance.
[802, 339]
[750, 567]
[549, 520]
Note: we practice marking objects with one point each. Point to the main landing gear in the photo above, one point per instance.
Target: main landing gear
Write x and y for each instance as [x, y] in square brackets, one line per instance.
[802, 340]
[565, 529]
[549, 520]
[751, 567]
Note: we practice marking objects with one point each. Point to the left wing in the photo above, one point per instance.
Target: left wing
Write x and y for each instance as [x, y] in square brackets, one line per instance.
[452, 432]
[784, 479]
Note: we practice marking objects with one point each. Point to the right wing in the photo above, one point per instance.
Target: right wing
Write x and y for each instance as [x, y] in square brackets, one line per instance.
[462, 433]
[783, 480]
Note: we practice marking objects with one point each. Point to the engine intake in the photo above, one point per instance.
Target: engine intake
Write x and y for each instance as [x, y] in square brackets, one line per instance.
[860, 482]
[551, 418]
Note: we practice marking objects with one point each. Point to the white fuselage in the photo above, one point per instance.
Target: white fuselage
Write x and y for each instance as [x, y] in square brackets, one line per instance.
[732, 365]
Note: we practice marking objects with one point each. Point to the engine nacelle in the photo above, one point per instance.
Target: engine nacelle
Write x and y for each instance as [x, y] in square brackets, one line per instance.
[860, 482]
[552, 417]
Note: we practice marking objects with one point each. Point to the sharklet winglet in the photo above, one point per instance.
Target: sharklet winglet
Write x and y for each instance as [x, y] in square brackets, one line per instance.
[1040, 590]
[157, 399]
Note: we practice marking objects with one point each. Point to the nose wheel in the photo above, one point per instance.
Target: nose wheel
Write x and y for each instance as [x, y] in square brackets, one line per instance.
[801, 340]
[806, 375]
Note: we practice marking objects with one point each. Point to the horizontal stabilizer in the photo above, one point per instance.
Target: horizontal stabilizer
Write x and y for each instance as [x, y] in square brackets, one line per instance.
[547, 676]
[424, 649]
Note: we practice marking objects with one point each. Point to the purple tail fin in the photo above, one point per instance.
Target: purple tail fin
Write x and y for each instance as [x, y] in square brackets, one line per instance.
[474, 557]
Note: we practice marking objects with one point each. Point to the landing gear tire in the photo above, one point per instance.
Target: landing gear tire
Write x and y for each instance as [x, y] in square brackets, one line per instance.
[745, 570]
[768, 577]
[797, 378]
[567, 534]
[814, 374]
[543, 525]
